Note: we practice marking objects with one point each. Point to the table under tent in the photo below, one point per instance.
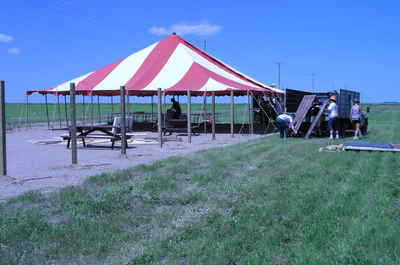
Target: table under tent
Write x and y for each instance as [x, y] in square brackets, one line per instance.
[169, 68]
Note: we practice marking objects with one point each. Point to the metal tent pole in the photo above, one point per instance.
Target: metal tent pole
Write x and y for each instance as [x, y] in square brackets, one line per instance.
[65, 110]
[47, 111]
[213, 115]
[159, 116]
[91, 109]
[189, 120]
[152, 109]
[123, 121]
[98, 109]
[27, 111]
[84, 109]
[251, 115]
[59, 110]
[3, 142]
[232, 113]
[72, 129]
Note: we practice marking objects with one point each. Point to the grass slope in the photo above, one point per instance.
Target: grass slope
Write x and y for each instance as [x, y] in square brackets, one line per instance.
[266, 201]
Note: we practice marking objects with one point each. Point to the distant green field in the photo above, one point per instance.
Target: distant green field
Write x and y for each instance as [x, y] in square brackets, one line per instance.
[17, 112]
[265, 201]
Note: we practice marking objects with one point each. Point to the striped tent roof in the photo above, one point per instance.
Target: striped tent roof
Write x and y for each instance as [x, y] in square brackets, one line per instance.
[172, 64]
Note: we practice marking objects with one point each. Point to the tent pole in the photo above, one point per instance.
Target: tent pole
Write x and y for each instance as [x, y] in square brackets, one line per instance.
[112, 104]
[251, 114]
[189, 120]
[58, 109]
[72, 129]
[47, 111]
[92, 109]
[232, 113]
[83, 109]
[28, 122]
[98, 109]
[3, 142]
[123, 122]
[205, 112]
[128, 103]
[159, 116]
[152, 109]
[65, 110]
[213, 115]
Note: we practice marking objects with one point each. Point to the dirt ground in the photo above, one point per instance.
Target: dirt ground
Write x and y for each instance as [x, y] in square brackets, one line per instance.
[37, 159]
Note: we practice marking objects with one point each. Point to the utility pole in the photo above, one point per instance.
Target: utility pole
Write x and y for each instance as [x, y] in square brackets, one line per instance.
[205, 45]
[279, 74]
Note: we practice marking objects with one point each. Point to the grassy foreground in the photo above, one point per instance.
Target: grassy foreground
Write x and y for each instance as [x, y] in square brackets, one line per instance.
[261, 202]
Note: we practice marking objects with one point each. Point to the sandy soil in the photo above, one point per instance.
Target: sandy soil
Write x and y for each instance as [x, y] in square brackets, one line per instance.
[33, 165]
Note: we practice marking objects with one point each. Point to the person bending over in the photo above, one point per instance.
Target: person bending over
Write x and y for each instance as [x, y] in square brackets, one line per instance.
[285, 122]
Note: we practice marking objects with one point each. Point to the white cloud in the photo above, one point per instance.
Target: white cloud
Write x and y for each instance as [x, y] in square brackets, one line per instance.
[6, 38]
[202, 29]
[14, 50]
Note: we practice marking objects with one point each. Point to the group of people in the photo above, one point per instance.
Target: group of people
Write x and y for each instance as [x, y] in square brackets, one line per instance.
[357, 117]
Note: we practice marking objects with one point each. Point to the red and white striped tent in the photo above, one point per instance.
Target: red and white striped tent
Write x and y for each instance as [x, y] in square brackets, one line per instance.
[173, 65]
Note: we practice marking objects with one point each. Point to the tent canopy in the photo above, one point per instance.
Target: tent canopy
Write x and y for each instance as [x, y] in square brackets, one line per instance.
[173, 65]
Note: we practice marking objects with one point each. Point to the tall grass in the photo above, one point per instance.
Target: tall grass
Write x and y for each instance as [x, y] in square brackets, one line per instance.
[266, 201]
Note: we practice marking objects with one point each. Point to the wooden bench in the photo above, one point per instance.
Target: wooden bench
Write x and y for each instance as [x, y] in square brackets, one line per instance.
[171, 125]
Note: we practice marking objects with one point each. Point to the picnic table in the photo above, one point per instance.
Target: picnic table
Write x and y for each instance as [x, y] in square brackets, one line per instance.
[100, 131]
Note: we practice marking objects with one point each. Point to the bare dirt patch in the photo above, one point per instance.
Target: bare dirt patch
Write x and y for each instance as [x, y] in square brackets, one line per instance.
[37, 159]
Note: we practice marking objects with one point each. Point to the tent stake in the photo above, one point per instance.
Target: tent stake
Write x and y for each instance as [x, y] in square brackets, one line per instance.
[213, 115]
[47, 112]
[189, 120]
[159, 116]
[123, 121]
[232, 113]
[72, 129]
[3, 142]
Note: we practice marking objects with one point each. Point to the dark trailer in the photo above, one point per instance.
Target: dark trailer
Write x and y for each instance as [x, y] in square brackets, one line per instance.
[310, 114]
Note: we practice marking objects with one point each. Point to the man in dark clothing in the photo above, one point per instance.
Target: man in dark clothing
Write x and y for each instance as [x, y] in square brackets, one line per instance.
[176, 108]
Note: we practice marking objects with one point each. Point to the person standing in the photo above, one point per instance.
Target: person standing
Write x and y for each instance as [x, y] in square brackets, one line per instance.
[356, 118]
[332, 117]
[285, 122]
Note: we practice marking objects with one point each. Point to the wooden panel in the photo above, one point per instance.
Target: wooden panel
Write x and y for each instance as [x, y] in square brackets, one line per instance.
[302, 111]
[311, 128]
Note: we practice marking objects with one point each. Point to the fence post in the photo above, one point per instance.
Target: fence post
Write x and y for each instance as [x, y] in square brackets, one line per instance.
[72, 129]
[213, 115]
[159, 119]
[123, 121]
[189, 120]
[3, 124]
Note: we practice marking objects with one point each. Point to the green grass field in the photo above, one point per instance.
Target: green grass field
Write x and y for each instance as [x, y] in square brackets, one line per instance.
[266, 201]
[16, 113]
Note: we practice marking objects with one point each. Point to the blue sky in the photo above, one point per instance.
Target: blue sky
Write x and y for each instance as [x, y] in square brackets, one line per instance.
[347, 44]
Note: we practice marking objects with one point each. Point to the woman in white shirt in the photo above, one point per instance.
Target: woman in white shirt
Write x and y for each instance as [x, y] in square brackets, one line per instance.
[332, 118]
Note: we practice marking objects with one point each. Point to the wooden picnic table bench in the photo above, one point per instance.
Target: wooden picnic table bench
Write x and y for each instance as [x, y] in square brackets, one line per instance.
[96, 132]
